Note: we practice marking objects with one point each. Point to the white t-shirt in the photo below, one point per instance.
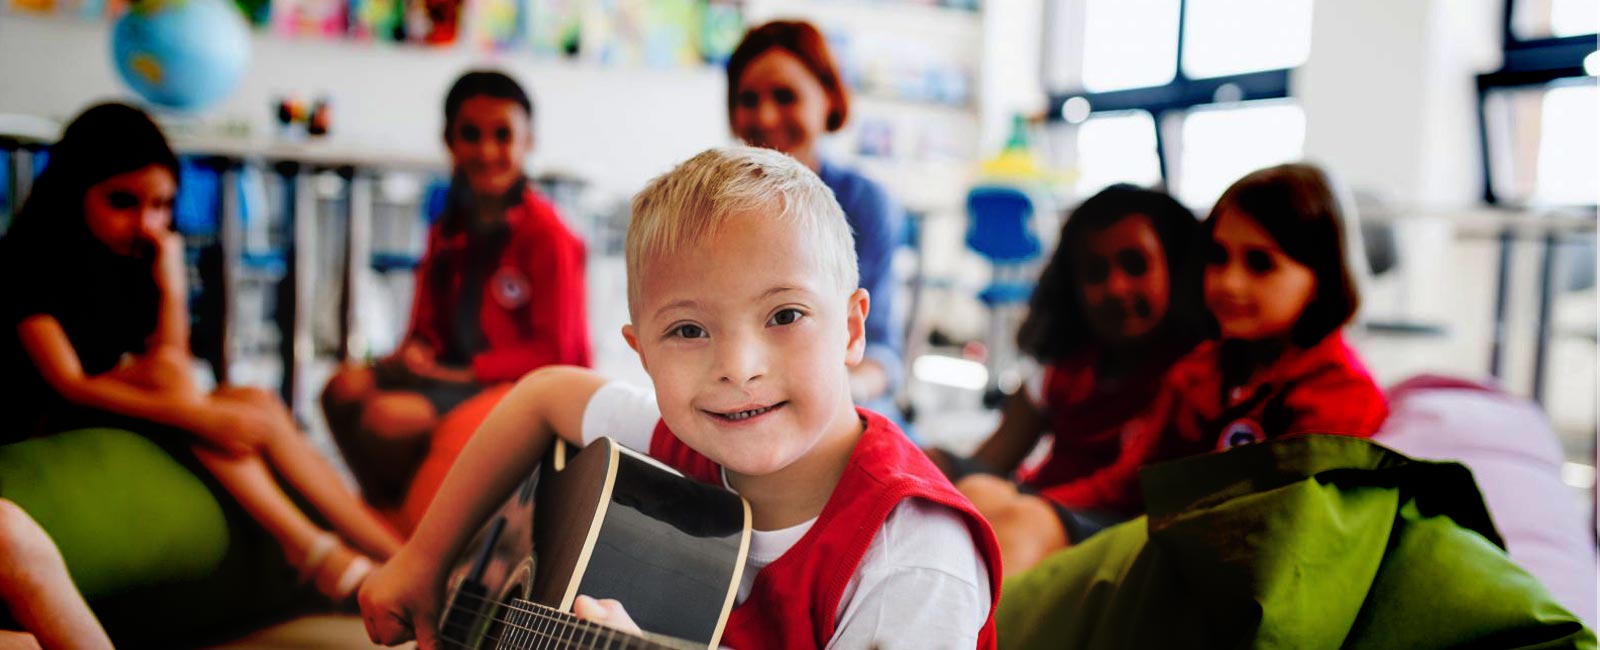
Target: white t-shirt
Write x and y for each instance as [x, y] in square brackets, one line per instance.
[921, 584]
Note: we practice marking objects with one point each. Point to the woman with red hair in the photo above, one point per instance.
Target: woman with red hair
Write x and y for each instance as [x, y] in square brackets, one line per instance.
[785, 93]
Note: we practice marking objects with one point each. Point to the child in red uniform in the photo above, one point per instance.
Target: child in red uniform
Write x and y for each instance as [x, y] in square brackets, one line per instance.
[1100, 323]
[500, 292]
[1277, 289]
[747, 316]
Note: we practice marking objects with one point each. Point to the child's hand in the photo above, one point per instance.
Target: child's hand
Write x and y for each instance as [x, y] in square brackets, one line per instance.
[400, 601]
[422, 362]
[606, 612]
[171, 270]
[418, 359]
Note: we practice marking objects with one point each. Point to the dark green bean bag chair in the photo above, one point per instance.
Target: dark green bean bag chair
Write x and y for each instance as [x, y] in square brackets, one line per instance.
[163, 555]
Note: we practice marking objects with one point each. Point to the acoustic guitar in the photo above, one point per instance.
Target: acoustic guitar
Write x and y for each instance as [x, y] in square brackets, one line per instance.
[605, 522]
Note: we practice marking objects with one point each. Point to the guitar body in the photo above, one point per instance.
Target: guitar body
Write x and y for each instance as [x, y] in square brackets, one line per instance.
[605, 522]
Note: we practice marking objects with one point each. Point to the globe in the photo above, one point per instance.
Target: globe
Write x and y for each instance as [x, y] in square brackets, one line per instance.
[181, 54]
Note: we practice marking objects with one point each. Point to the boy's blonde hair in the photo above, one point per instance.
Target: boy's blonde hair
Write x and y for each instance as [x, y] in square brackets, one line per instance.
[687, 205]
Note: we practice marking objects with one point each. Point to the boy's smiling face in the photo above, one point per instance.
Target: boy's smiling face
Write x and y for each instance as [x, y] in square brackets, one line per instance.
[749, 344]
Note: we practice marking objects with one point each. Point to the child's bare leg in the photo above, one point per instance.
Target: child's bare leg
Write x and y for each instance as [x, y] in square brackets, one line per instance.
[165, 368]
[35, 586]
[313, 477]
[396, 429]
[1028, 531]
[1025, 526]
[342, 401]
[989, 494]
[253, 487]
[382, 434]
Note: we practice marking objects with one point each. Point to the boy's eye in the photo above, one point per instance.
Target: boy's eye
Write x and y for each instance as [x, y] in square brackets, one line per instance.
[786, 317]
[1133, 263]
[470, 134]
[748, 99]
[1259, 262]
[122, 200]
[783, 96]
[1096, 270]
[502, 135]
[688, 331]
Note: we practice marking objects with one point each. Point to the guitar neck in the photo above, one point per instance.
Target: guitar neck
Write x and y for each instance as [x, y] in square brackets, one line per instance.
[529, 625]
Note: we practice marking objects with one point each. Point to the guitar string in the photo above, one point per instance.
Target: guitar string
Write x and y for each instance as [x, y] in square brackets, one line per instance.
[563, 619]
[601, 634]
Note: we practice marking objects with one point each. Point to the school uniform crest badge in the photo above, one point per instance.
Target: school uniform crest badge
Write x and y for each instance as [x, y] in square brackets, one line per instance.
[1240, 432]
[510, 288]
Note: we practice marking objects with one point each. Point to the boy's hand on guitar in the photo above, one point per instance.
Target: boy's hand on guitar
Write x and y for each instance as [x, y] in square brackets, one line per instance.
[399, 602]
[606, 612]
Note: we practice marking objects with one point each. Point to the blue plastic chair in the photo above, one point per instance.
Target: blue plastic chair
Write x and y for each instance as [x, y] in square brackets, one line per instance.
[1000, 228]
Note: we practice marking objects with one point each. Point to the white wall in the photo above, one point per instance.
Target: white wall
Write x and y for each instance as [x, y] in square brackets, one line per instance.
[1389, 95]
[616, 127]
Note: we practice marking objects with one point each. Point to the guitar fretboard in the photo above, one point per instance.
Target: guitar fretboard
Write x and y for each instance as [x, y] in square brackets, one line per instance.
[529, 625]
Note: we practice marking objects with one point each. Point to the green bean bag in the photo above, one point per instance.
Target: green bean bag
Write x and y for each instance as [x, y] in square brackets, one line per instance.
[1308, 542]
[162, 554]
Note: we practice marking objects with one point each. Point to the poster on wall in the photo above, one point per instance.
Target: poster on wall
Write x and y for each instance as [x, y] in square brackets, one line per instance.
[721, 28]
[499, 24]
[256, 12]
[433, 22]
[556, 27]
[308, 18]
[92, 9]
[376, 20]
[657, 34]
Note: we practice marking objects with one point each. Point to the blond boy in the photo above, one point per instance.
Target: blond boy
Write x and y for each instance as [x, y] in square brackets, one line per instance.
[745, 313]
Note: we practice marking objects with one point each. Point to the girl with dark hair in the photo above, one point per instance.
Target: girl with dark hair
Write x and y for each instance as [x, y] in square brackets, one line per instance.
[1277, 288]
[785, 93]
[499, 292]
[99, 336]
[1101, 325]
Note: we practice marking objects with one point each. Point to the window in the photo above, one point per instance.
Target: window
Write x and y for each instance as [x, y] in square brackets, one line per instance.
[1117, 148]
[1536, 113]
[1536, 19]
[1221, 145]
[1130, 43]
[1224, 37]
[1174, 91]
[1542, 144]
[1567, 135]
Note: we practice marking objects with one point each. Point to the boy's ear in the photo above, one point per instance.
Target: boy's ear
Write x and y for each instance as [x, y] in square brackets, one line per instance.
[856, 321]
[633, 342]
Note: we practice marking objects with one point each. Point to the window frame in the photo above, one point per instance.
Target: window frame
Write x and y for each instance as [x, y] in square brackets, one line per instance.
[1526, 63]
[1180, 95]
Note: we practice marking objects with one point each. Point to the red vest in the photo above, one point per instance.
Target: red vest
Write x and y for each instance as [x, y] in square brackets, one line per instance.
[795, 600]
[532, 309]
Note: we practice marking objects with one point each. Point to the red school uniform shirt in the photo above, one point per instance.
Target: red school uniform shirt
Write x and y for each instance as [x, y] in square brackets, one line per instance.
[1323, 389]
[1096, 426]
[795, 599]
[532, 304]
